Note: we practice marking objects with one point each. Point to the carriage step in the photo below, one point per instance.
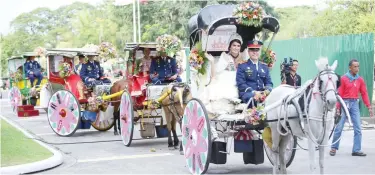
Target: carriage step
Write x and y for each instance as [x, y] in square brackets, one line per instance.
[25, 108]
[28, 113]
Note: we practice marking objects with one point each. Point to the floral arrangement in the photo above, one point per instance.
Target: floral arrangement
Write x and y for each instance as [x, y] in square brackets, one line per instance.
[254, 115]
[40, 51]
[197, 58]
[94, 47]
[249, 14]
[65, 70]
[106, 50]
[95, 103]
[168, 43]
[268, 57]
[17, 76]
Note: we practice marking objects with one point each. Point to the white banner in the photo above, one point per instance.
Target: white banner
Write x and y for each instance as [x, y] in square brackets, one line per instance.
[218, 41]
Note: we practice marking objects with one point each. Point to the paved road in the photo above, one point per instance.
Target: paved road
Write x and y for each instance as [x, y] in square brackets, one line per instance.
[90, 151]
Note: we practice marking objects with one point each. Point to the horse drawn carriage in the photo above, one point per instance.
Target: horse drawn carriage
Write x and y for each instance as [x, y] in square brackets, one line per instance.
[72, 104]
[211, 28]
[146, 103]
[22, 92]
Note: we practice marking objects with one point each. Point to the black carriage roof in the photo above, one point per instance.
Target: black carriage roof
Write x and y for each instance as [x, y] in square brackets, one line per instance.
[139, 46]
[213, 16]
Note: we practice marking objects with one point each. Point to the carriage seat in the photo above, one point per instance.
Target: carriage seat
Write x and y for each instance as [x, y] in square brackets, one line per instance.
[154, 91]
[102, 89]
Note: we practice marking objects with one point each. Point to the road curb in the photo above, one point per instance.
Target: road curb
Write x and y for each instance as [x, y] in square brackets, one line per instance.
[55, 160]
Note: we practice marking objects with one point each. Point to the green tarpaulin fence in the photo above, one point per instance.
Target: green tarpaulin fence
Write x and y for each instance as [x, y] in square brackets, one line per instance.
[341, 48]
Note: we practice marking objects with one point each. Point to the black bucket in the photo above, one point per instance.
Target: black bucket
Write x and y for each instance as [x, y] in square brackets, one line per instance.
[257, 155]
[216, 156]
[161, 131]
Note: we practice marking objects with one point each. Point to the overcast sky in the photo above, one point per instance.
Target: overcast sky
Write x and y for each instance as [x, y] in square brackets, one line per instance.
[13, 8]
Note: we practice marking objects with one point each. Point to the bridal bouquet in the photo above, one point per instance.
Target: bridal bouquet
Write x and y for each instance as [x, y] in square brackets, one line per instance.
[249, 14]
[168, 43]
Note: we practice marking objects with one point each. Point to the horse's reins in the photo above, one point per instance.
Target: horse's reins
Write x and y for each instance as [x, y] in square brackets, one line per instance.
[306, 98]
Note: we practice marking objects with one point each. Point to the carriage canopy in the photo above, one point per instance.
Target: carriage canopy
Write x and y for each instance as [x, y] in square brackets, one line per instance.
[218, 22]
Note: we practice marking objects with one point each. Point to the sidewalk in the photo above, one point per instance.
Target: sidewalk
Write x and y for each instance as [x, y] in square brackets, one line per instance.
[51, 162]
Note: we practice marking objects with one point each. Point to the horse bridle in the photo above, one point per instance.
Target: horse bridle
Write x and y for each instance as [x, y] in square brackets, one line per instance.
[337, 84]
[323, 96]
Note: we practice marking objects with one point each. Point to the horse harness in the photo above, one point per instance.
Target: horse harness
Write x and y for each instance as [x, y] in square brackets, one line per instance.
[309, 97]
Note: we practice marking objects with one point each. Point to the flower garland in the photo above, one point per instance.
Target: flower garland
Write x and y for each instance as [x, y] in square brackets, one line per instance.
[197, 59]
[249, 14]
[65, 70]
[169, 44]
[268, 57]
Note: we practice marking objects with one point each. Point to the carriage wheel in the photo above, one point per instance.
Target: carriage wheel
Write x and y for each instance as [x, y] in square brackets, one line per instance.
[63, 112]
[126, 119]
[289, 154]
[15, 98]
[104, 120]
[196, 137]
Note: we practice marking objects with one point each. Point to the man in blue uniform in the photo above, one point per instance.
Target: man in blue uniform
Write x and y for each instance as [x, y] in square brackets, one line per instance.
[91, 73]
[33, 70]
[78, 67]
[163, 69]
[252, 76]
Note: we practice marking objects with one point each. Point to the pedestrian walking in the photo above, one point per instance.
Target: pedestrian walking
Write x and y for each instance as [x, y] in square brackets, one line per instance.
[351, 85]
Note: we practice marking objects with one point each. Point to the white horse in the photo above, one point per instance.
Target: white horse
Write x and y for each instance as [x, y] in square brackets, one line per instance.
[320, 100]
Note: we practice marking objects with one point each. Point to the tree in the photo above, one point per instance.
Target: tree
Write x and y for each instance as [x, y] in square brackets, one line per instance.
[345, 17]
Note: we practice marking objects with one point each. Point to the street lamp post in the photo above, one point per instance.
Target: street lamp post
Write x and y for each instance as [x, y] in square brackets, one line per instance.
[134, 24]
[139, 22]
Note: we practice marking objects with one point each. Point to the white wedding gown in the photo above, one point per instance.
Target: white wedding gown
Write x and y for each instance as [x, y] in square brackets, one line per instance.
[221, 95]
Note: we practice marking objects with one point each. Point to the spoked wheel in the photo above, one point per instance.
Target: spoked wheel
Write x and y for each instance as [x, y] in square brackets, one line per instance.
[196, 137]
[15, 98]
[289, 153]
[126, 119]
[104, 120]
[63, 113]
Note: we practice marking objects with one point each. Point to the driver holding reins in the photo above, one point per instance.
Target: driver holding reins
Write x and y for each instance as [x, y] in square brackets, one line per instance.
[252, 76]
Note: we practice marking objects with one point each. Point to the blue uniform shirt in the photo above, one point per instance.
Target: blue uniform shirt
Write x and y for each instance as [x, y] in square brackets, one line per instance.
[249, 78]
[165, 68]
[91, 70]
[32, 66]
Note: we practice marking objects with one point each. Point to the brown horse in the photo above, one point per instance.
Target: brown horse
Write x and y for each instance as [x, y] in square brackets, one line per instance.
[173, 107]
[117, 87]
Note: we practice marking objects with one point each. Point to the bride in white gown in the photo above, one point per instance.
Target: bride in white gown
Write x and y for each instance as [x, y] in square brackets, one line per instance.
[221, 95]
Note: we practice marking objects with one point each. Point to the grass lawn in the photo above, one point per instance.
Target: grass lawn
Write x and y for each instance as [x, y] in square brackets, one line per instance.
[17, 149]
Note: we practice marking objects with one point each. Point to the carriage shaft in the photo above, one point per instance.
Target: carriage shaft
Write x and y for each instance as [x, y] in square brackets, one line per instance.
[161, 98]
[107, 97]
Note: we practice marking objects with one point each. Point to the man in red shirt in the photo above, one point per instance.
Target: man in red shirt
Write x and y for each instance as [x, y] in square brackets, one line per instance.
[351, 85]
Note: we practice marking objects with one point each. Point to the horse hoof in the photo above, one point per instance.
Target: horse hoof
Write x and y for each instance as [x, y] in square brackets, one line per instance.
[170, 147]
[176, 147]
[181, 153]
[116, 133]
